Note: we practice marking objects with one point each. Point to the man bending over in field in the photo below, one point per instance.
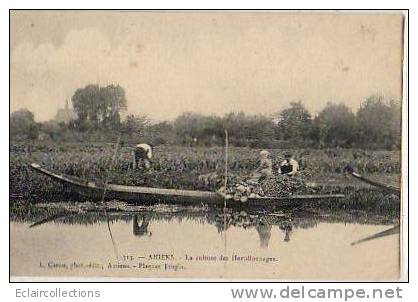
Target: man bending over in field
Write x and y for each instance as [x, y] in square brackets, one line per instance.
[289, 166]
[141, 156]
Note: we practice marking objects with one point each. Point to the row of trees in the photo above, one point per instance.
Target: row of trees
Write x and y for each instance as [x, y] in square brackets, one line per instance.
[243, 130]
[376, 124]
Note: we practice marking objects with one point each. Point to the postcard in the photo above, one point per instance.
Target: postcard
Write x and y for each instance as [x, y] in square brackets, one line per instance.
[207, 145]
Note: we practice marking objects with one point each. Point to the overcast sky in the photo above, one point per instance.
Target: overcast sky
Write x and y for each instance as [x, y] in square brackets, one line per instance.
[207, 62]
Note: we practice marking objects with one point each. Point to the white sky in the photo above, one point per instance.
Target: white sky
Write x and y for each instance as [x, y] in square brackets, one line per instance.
[207, 62]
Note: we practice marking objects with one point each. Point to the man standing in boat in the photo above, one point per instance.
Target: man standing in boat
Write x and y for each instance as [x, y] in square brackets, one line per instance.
[289, 166]
[141, 156]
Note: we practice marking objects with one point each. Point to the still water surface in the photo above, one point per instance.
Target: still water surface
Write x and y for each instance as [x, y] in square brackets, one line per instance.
[184, 245]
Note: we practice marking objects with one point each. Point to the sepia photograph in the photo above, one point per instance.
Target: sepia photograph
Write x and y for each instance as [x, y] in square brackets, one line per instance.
[211, 145]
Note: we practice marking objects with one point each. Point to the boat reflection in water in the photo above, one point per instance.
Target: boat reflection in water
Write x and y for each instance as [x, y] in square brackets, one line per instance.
[263, 229]
[306, 244]
[142, 219]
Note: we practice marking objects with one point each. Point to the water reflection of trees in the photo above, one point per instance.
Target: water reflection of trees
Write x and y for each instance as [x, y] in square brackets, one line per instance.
[142, 218]
[217, 217]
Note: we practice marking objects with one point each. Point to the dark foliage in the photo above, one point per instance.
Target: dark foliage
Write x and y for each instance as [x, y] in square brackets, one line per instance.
[375, 125]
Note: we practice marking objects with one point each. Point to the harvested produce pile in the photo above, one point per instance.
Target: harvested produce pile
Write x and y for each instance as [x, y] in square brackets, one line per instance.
[285, 186]
[279, 186]
[242, 191]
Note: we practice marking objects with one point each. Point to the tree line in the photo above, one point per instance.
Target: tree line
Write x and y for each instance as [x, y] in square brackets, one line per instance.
[98, 116]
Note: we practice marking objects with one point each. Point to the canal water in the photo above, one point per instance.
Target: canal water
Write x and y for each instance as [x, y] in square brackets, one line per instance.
[202, 244]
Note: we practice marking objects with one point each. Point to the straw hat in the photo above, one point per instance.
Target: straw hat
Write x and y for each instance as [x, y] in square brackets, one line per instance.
[264, 153]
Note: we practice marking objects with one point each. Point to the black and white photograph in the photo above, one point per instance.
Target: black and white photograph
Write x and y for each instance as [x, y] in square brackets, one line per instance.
[207, 144]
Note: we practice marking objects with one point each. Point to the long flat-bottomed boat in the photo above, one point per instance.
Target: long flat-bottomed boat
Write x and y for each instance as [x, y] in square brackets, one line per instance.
[146, 195]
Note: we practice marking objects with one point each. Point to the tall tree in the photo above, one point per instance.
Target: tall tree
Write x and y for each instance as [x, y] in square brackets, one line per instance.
[335, 126]
[112, 101]
[22, 124]
[379, 123]
[99, 106]
[295, 123]
[396, 123]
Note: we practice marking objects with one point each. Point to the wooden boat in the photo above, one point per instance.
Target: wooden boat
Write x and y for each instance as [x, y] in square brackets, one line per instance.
[388, 188]
[146, 195]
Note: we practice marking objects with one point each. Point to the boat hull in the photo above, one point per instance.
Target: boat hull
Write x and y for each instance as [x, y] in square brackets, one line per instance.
[146, 195]
[384, 187]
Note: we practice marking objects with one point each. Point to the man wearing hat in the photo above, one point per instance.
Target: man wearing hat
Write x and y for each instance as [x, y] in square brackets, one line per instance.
[289, 166]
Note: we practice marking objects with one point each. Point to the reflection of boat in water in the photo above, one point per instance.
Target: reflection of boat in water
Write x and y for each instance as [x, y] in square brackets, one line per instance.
[141, 220]
[146, 195]
[392, 231]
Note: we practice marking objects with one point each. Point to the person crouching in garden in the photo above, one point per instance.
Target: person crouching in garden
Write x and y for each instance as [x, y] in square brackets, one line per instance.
[289, 166]
[141, 156]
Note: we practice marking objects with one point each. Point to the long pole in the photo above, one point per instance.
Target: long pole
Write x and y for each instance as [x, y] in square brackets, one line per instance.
[112, 163]
[226, 181]
[226, 164]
